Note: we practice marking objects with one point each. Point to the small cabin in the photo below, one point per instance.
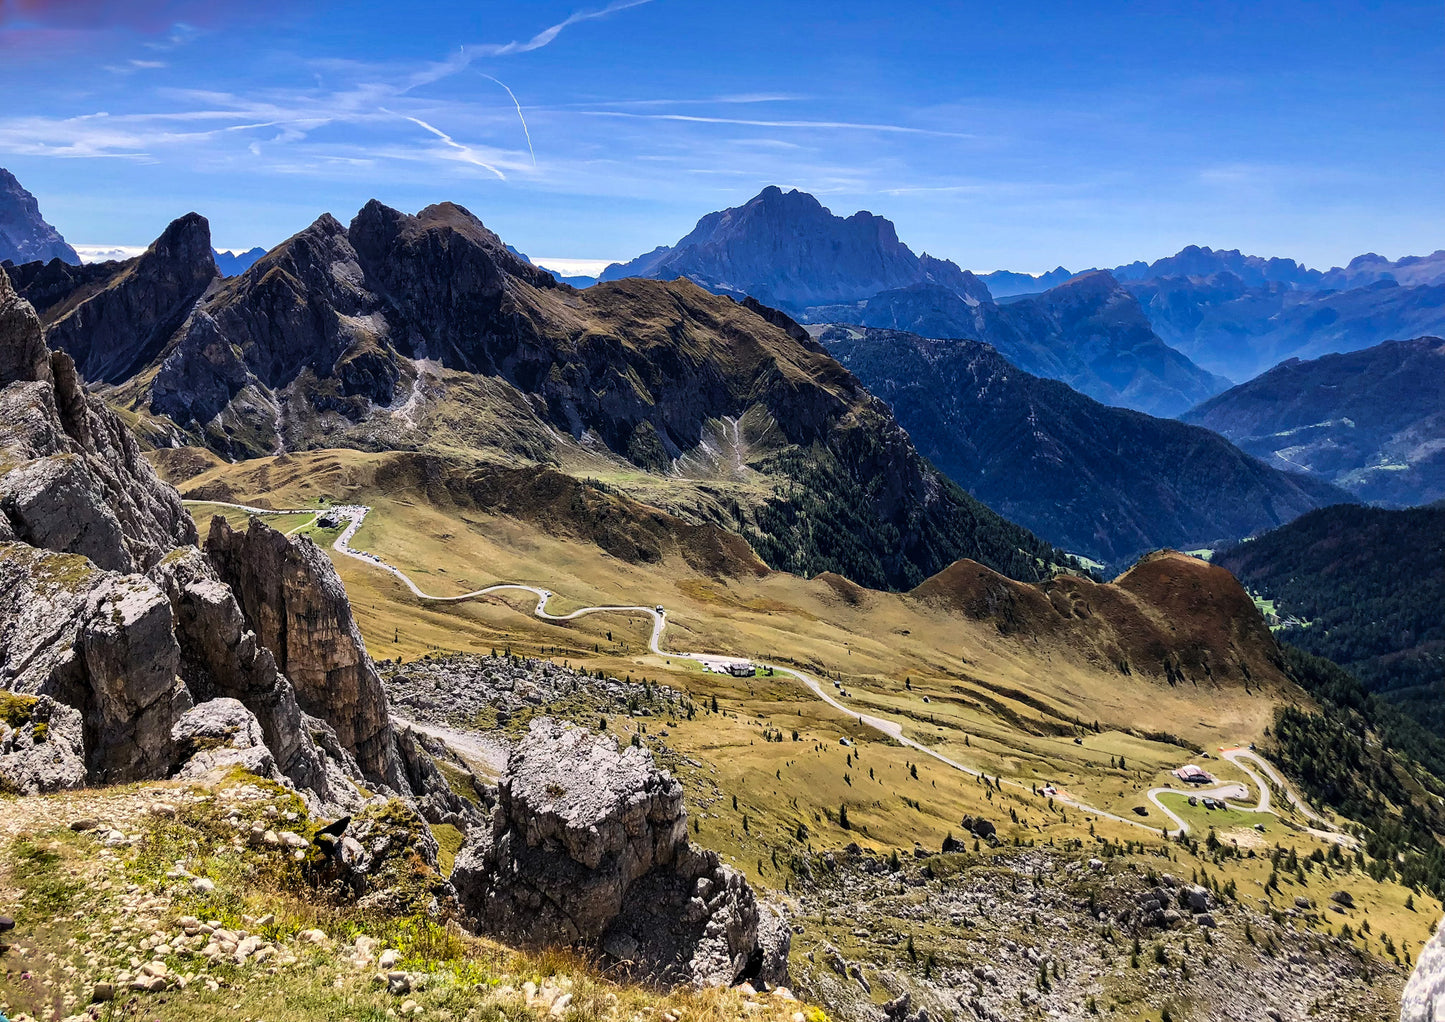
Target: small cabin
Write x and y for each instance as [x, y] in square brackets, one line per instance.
[742, 670]
[1192, 774]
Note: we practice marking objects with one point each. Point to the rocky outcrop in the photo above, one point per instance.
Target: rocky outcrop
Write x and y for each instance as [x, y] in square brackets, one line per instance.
[114, 326]
[73, 476]
[222, 658]
[24, 234]
[1424, 996]
[294, 601]
[123, 656]
[101, 643]
[218, 735]
[588, 846]
[42, 745]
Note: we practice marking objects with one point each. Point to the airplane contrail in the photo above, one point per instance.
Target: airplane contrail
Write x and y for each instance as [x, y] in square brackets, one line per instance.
[466, 151]
[526, 134]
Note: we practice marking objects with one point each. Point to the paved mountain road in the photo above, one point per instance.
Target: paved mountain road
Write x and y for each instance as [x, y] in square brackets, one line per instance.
[355, 514]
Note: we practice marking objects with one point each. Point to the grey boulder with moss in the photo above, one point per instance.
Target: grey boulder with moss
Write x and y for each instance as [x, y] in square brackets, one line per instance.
[588, 846]
[219, 735]
[42, 745]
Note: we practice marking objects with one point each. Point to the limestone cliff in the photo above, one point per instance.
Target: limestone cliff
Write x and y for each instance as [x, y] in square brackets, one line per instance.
[295, 602]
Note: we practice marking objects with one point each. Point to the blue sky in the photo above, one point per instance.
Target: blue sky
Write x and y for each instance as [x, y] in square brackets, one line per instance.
[1016, 136]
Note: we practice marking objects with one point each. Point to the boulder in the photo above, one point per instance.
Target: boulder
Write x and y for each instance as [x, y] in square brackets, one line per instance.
[219, 734]
[979, 827]
[133, 663]
[588, 846]
[98, 642]
[42, 745]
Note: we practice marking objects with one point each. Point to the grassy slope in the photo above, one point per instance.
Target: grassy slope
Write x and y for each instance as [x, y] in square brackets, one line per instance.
[1004, 703]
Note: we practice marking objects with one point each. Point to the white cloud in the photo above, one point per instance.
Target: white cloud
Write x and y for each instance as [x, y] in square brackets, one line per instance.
[571, 267]
[107, 253]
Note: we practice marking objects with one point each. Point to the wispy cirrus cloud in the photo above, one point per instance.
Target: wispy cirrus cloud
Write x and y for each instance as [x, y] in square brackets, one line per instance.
[898, 129]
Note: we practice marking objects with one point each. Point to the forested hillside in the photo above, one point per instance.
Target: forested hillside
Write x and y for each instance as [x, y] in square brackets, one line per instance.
[1370, 583]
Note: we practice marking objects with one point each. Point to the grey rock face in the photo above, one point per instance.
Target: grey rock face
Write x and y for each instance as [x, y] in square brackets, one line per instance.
[588, 845]
[57, 504]
[88, 489]
[218, 734]
[1424, 996]
[99, 642]
[222, 658]
[133, 664]
[293, 599]
[24, 234]
[305, 306]
[44, 751]
[23, 355]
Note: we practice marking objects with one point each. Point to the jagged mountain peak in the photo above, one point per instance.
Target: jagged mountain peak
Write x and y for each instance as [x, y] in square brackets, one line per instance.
[24, 234]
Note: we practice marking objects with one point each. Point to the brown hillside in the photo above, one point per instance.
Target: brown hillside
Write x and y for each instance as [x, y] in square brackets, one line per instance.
[1170, 616]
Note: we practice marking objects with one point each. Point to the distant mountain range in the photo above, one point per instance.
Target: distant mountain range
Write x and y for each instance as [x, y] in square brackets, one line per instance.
[787, 250]
[1373, 421]
[231, 264]
[425, 334]
[1088, 332]
[1227, 316]
[1252, 271]
[1109, 483]
[1006, 283]
[1240, 331]
[24, 234]
[1237, 315]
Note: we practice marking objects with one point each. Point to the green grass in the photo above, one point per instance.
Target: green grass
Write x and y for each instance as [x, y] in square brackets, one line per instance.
[449, 843]
[1201, 820]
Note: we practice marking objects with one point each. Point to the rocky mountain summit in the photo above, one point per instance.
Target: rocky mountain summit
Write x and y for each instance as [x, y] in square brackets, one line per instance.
[24, 234]
[787, 249]
[606, 861]
[112, 318]
[424, 332]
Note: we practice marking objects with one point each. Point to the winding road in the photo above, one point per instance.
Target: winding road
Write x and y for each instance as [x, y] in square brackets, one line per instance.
[355, 514]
